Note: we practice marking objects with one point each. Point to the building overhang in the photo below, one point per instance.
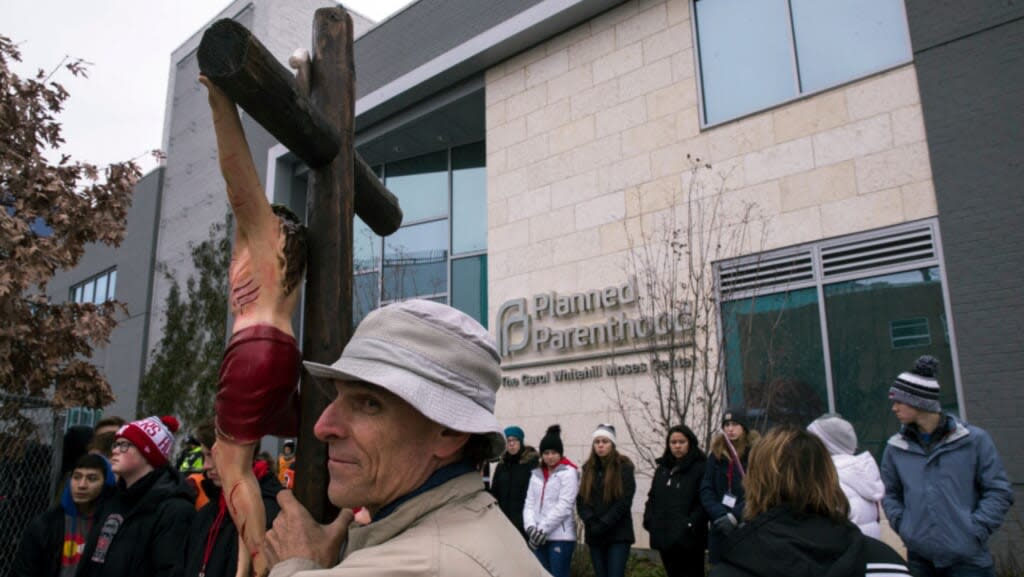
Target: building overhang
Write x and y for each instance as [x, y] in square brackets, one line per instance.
[471, 57]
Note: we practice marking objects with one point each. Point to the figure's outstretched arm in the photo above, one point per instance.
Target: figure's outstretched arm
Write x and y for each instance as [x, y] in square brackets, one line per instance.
[245, 193]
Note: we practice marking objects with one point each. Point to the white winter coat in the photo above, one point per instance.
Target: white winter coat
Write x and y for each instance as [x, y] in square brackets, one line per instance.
[862, 483]
[549, 506]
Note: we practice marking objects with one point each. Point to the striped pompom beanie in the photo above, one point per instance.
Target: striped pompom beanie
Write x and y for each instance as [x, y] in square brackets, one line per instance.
[918, 387]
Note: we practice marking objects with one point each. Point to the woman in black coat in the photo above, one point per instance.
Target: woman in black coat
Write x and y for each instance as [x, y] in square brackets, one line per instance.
[721, 492]
[673, 514]
[796, 518]
[511, 479]
[604, 503]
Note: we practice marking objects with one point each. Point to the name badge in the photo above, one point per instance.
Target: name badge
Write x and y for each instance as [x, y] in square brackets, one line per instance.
[729, 501]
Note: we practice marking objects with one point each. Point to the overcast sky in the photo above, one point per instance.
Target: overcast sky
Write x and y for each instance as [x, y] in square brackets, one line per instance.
[117, 113]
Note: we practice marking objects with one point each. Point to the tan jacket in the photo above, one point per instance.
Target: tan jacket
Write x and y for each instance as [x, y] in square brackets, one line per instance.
[455, 530]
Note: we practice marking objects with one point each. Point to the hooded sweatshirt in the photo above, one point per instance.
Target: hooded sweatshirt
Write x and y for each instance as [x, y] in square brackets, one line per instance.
[861, 481]
[53, 542]
[780, 543]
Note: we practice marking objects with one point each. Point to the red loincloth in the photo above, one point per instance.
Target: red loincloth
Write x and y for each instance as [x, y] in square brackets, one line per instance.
[256, 391]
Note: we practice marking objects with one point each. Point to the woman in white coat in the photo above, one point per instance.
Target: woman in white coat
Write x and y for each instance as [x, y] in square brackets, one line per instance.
[550, 500]
[858, 474]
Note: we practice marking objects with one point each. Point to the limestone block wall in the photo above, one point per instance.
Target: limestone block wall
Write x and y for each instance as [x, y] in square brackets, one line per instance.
[589, 132]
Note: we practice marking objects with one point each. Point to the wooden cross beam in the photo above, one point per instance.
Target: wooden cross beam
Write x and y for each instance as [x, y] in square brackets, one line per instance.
[319, 130]
[235, 60]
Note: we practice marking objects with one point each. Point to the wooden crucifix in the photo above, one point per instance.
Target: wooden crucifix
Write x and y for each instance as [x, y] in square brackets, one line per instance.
[313, 116]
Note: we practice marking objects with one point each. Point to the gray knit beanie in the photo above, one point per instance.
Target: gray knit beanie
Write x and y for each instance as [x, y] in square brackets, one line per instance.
[918, 387]
[836, 432]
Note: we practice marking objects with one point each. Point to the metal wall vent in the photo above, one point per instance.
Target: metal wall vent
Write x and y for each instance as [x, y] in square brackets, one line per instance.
[771, 272]
[890, 250]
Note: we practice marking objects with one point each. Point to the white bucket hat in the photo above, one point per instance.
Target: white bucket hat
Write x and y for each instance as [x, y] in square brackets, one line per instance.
[436, 358]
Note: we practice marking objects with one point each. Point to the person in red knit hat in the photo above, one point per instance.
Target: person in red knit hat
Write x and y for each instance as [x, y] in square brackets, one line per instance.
[139, 531]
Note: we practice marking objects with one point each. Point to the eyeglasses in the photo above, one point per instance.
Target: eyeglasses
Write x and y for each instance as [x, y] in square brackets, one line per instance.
[121, 446]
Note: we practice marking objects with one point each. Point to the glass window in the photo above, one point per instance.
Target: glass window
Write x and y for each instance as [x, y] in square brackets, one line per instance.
[838, 40]
[421, 185]
[365, 247]
[746, 56]
[89, 292]
[774, 356]
[96, 290]
[101, 288]
[365, 295]
[469, 286]
[469, 199]
[416, 261]
[758, 53]
[909, 333]
[858, 313]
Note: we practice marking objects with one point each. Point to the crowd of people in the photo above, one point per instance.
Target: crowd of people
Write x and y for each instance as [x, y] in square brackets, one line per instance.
[405, 449]
[791, 502]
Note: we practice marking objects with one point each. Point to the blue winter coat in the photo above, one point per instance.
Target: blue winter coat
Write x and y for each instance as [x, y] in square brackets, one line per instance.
[946, 501]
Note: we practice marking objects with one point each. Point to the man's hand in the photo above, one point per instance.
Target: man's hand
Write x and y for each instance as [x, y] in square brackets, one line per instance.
[296, 534]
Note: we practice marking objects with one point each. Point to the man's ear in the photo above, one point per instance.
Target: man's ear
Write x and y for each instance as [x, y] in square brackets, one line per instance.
[450, 442]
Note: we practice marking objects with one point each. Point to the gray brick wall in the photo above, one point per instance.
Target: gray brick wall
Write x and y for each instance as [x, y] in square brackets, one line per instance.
[121, 360]
[969, 56]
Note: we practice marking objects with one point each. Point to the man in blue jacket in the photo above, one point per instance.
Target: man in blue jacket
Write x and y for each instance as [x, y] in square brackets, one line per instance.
[946, 490]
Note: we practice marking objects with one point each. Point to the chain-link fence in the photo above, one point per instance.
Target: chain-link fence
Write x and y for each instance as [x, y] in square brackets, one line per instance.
[28, 471]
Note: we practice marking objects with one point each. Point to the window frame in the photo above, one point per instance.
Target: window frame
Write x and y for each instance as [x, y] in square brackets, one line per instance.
[794, 57]
[819, 281]
[111, 288]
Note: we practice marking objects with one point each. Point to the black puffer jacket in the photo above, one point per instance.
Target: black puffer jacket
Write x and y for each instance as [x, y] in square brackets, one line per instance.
[608, 523]
[141, 529]
[511, 481]
[673, 514]
[223, 553]
[39, 552]
[780, 543]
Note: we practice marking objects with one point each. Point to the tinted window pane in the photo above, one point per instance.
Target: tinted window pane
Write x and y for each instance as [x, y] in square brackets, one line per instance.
[421, 185]
[112, 285]
[416, 261]
[365, 247]
[774, 358]
[839, 40]
[863, 366]
[365, 295]
[101, 288]
[469, 199]
[89, 291]
[746, 56]
[469, 286]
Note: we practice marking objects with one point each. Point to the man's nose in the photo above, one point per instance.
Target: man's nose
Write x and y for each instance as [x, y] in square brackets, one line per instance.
[333, 421]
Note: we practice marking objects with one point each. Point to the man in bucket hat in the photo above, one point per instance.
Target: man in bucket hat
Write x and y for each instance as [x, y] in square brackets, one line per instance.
[411, 417]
